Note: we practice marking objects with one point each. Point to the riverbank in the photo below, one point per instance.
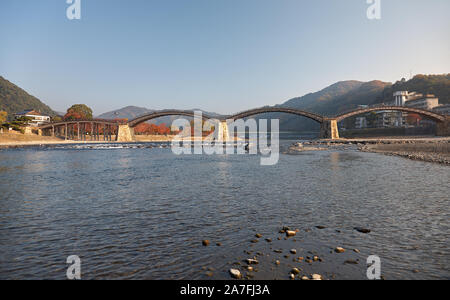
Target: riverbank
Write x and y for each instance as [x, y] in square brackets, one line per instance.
[17, 140]
[428, 149]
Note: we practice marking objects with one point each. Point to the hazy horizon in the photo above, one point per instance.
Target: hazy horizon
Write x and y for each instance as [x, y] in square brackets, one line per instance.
[220, 56]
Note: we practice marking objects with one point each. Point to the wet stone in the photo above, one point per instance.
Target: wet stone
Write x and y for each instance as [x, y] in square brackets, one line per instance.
[339, 250]
[235, 273]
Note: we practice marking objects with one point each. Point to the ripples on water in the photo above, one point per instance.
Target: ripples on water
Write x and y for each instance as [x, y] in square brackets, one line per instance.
[141, 213]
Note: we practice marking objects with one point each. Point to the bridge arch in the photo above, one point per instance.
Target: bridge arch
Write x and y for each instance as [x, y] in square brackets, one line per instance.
[164, 113]
[252, 112]
[432, 115]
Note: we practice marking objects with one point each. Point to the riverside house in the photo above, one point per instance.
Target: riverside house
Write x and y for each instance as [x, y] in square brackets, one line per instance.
[36, 117]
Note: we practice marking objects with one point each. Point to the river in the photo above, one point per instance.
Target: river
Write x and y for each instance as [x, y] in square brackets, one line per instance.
[141, 213]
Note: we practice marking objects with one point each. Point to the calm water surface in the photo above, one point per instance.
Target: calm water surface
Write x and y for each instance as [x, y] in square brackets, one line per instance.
[142, 213]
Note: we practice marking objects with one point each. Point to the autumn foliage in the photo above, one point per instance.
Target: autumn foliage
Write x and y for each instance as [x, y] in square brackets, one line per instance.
[152, 129]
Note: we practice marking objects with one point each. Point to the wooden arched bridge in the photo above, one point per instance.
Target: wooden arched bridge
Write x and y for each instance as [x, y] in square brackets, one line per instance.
[124, 131]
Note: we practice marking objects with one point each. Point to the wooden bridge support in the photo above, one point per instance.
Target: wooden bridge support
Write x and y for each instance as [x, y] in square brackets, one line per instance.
[329, 129]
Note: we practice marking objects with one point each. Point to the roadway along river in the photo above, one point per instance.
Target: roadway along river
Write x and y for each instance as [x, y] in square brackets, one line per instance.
[143, 213]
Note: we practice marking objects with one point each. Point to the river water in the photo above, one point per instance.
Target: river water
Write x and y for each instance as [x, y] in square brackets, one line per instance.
[142, 213]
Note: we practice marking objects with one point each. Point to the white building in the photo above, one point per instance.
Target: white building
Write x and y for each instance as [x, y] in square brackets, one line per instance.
[36, 118]
[400, 98]
[361, 123]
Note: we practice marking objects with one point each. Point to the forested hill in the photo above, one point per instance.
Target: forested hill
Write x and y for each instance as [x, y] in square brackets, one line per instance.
[14, 99]
[438, 85]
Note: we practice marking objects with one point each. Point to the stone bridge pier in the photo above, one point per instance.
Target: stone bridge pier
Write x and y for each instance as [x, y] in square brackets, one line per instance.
[443, 128]
[224, 134]
[329, 129]
[125, 134]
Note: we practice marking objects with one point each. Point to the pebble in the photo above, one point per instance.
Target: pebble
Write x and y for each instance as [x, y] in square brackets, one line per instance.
[277, 262]
[362, 230]
[251, 261]
[305, 278]
[235, 273]
[205, 243]
[293, 251]
[356, 251]
[258, 235]
[269, 240]
[351, 262]
[291, 233]
[316, 277]
[292, 276]
[320, 227]
[339, 250]
[295, 271]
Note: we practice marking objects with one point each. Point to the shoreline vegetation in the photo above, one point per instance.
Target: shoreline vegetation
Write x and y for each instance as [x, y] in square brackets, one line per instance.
[423, 148]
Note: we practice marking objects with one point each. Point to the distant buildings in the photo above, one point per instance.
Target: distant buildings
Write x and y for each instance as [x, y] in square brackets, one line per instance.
[361, 122]
[36, 118]
[416, 100]
[388, 119]
[442, 109]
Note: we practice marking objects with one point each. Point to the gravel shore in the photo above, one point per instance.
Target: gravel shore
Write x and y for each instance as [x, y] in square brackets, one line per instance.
[429, 149]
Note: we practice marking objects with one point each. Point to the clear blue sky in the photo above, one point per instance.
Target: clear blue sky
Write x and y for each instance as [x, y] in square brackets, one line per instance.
[218, 55]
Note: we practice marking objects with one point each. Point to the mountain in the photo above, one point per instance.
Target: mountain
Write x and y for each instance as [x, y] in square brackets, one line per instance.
[332, 100]
[129, 112]
[14, 99]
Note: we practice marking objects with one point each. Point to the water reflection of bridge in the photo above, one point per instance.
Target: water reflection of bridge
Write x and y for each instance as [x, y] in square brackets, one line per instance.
[124, 131]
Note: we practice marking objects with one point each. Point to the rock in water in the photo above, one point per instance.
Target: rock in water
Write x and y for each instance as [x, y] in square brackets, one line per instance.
[339, 250]
[295, 271]
[293, 251]
[251, 261]
[236, 274]
[205, 243]
[362, 230]
[316, 277]
[291, 233]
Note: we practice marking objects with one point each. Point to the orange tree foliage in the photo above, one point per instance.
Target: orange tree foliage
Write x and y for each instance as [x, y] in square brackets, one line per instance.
[152, 129]
[72, 115]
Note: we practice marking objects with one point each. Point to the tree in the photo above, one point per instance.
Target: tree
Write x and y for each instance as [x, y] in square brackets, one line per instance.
[3, 116]
[56, 119]
[79, 111]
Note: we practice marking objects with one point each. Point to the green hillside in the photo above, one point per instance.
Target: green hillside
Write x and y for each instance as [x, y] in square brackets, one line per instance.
[439, 85]
[14, 99]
